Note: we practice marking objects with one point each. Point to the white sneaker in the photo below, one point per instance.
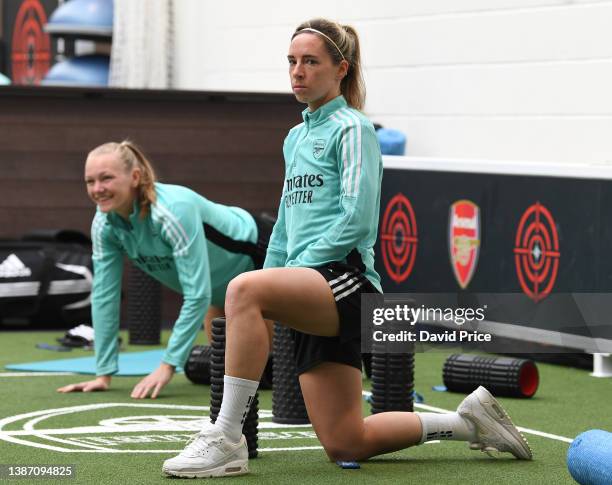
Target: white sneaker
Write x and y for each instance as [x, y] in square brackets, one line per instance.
[494, 428]
[209, 454]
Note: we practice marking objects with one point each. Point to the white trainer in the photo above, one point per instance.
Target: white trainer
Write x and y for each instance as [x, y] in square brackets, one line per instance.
[494, 428]
[209, 454]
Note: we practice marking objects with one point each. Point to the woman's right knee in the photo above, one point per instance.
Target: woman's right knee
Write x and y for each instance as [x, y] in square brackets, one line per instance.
[240, 293]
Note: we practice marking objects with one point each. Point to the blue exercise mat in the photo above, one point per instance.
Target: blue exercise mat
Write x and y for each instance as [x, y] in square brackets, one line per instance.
[130, 364]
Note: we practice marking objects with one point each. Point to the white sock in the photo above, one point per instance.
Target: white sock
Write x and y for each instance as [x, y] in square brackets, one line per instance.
[447, 426]
[237, 397]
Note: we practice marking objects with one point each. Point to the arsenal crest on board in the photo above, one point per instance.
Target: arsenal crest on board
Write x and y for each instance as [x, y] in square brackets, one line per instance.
[464, 240]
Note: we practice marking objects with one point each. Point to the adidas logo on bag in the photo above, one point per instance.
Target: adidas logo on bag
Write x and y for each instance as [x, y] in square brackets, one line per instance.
[13, 267]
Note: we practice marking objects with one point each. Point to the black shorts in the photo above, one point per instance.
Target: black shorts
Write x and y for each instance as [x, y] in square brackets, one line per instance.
[265, 223]
[348, 284]
[257, 251]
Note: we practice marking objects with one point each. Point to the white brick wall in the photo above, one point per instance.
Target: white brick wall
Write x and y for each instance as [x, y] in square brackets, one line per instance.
[491, 79]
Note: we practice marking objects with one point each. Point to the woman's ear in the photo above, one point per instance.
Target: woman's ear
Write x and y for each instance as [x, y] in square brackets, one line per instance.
[136, 176]
[343, 68]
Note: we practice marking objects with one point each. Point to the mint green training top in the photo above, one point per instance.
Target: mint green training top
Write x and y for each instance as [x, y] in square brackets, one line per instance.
[331, 193]
[183, 243]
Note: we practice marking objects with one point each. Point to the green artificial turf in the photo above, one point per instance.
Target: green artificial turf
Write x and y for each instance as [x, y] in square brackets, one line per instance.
[568, 402]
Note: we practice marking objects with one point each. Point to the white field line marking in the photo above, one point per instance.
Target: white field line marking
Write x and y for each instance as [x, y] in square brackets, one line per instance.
[520, 428]
[296, 448]
[17, 441]
[10, 436]
[96, 449]
[55, 412]
[36, 374]
[130, 429]
[90, 407]
[37, 416]
[83, 430]
[70, 442]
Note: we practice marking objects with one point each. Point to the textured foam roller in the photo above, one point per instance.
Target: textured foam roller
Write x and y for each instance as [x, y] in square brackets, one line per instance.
[287, 401]
[502, 376]
[217, 371]
[392, 380]
[589, 458]
[197, 368]
[143, 308]
[198, 371]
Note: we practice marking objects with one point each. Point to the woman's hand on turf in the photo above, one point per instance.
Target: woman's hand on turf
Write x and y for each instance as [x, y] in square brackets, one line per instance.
[154, 382]
[100, 383]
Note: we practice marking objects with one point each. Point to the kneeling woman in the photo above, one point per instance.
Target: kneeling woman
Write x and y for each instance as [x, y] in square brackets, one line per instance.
[319, 263]
[188, 243]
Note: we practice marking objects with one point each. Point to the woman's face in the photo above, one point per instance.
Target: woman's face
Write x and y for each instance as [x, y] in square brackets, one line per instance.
[109, 185]
[315, 79]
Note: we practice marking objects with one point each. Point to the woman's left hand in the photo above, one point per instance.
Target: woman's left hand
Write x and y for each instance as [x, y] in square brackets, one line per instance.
[154, 382]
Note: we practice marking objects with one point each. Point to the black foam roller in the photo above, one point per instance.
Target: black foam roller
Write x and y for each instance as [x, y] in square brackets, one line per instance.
[197, 368]
[267, 378]
[503, 376]
[287, 401]
[250, 427]
[366, 359]
[217, 367]
[392, 380]
[143, 308]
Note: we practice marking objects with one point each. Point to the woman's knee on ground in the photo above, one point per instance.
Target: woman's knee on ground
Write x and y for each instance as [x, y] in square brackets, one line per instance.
[342, 445]
[339, 449]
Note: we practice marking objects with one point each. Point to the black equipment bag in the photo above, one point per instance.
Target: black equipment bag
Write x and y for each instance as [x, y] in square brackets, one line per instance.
[45, 279]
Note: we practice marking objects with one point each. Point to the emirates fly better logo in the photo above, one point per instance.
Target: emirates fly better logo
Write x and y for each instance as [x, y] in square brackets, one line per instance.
[464, 240]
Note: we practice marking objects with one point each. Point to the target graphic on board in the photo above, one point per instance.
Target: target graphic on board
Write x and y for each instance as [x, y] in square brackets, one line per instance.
[31, 47]
[536, 252]
[399, 238]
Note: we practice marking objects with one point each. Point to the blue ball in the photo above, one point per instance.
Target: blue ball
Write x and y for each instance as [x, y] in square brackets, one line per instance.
[86, 17]
[91, 70]
[392, 142]
[589, 458]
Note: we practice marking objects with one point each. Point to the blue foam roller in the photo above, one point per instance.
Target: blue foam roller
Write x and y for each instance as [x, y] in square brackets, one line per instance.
[392, 142]
[589, 458]
[89, 70]
[84, 17]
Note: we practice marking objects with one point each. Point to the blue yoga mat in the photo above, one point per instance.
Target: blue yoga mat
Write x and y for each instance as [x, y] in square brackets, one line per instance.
[130, 364]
